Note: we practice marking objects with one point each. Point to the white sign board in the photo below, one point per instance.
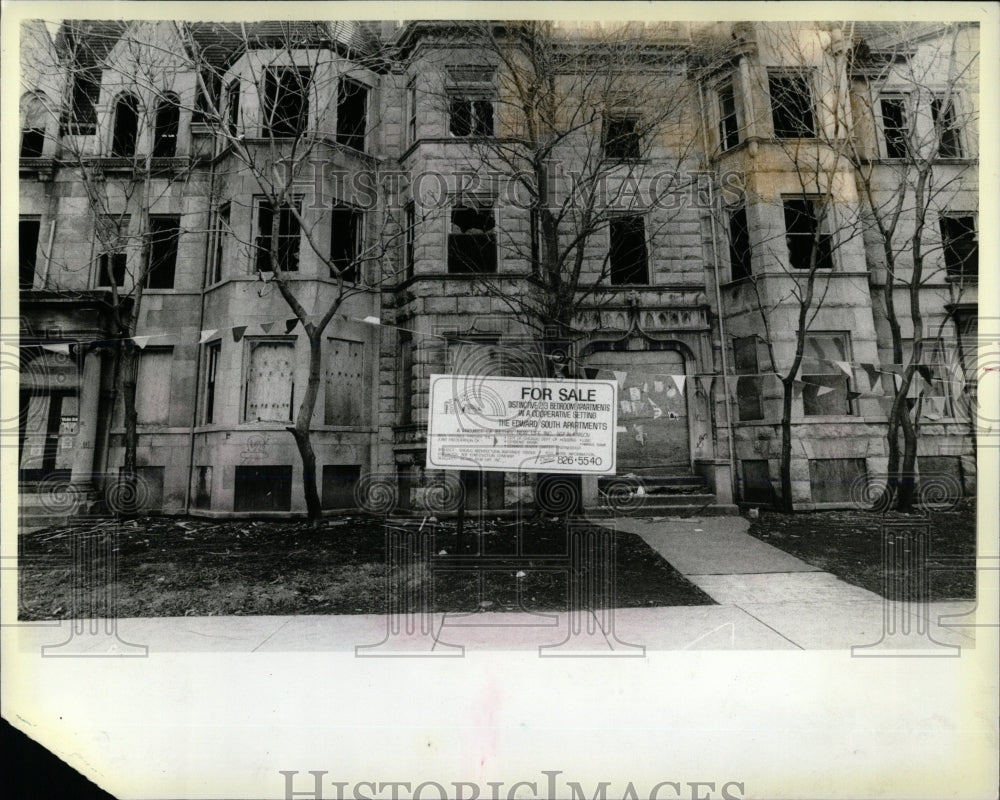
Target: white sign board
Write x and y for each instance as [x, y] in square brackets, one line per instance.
[522, 424]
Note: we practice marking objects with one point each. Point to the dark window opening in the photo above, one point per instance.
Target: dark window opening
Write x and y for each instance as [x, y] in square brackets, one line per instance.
[411, 99]
[206, 96]
[961, 247]
[757, 486]
[81, 117]
[352, 113]
[111, 268]
[126, 128]
[946, 125]
[471, 117]
[203, 488]
[729, 126]
[263, 487]
[288, 238]
[212, 352]
[831, 479]
[168, 117]
[739, 244]
[221, 239]
[164, 233]
[286, 102]
[791, 107]
[472, 241]
[339, 481]
[405, 377]
[895, 130]
[808, 245]
[621, 139]
[409, 236]
[749, 384]
[27, 246]
[32, 142]
[346, 245]
[627, 256]
[233, 107]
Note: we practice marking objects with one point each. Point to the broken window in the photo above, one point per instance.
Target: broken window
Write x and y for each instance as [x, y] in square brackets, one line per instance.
[352, 114]
[627, 254]
[164, 234]
[233, 107]
[33, 116]
[113, 260]
[946, 125]
[895, 127]
[27, 247]
[288, 236]
[212, 352]
[472, 240]
[826, 373]
[739, 244]
[809, 245]
[791, 106]
[345, 367]
[621, 138]
[126, 127]
[749, 383]
[346, 246]
[961, 247]
[81, 116]
[471, 116]
[286, 101]
[269, 391]
[153, 382]
[168, 117]
[729, 126]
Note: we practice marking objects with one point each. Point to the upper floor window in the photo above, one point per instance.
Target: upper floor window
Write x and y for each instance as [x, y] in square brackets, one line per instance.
[112, 236]
[286, 101]
[411, 111]
[961, 247]
[352, 114]
[409, 237]
[810, 246]
[472, 239]
[621, 138]
[212, 352]
[826, 373]
[287, 244]
[206, 96]
[946, 125]
[81, 116]
[471, 94]
[347, 225]
[895, 125]
[222, 231]
[269, 383]
[164, 235]
[739, 244]
[729, 125]
[233, 107]
[27, 245]
[627, 255]
[152, 404]
[791, 105]
[167, 122]
[126, 127]
[749, 384]
[33, 116]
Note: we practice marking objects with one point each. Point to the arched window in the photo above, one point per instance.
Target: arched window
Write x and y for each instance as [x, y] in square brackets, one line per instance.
[33, 118]
[168, 114]
[126, 127]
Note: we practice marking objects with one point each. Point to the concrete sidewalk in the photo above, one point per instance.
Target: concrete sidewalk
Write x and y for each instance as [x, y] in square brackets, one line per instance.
[767, 600]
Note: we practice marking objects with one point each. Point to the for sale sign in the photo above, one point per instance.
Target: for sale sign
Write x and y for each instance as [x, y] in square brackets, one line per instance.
[522, 424]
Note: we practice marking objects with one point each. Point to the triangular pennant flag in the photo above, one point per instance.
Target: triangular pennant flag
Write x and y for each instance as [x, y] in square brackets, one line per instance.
[620, 376]
[871, 372]
[845, 367]
[853, 395]
[57, 348]
[925, 372]
[141, 341]
[822, 390]
[266, 326]
[290, 324]
[679, 380]
[706, 384]
[895, 369]
[206, 335]
[590, 373]
[238, 332]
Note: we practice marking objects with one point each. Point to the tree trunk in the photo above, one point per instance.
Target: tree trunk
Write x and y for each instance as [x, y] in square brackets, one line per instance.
[301, 430]
[907, 483]
[788, 385]
[129, 369]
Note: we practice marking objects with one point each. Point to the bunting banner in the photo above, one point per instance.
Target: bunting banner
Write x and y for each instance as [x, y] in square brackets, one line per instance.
[207, 334]
[871, 372]
[290, 324]
[845, 367]
[679, 381]
[57, 348]
[822, 390]
[141, 341]
[238, 332]
[266, 326]
[620, 377]
[925, 373]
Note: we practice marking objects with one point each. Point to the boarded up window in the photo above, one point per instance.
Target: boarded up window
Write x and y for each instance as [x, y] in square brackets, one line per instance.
[749, 384]
[344, 383]
[339, 481]
[152, 396]
[757, 482]
[943, 470]
[151, 493]
[270, 384]
[203, 487]
[825, 369]
[263, 487]
[831, 478]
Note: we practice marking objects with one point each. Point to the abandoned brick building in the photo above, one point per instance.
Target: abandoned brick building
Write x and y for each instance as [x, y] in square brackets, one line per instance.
[143, 189]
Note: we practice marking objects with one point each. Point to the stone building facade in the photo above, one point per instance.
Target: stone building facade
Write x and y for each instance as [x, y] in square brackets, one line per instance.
[775, 132]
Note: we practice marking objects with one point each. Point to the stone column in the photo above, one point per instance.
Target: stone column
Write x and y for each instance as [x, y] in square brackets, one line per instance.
[86, 426]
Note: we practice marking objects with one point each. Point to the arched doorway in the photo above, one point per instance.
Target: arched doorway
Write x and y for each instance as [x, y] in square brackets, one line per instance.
[653, 437]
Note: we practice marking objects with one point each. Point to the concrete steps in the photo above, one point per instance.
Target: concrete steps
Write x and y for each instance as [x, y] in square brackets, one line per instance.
[658, 495]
